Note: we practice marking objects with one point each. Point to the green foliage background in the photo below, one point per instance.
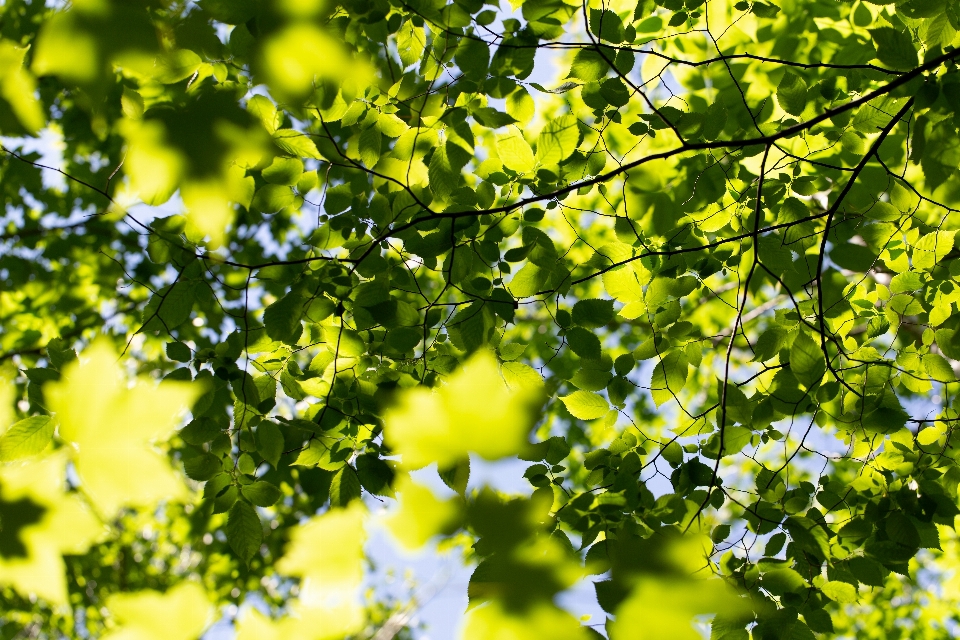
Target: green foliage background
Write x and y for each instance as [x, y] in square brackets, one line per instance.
[705, 284]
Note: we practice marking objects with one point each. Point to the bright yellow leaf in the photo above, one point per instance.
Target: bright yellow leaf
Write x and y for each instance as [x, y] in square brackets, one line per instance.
[314, 623]
[39, 523]
[328, 548]
[7, 417]
[299, 55]
[18, 87]
[182, 613]
[421, 515]
[494, 621]
[667, 606]
[327, 554]
[113, 427]
[474, 412]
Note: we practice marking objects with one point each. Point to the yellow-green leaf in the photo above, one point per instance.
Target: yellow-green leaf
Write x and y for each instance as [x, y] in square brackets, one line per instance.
[515, 153]
[842, 592]
[26, 438]
[48, 524]
[182, 613]
[586, 405]
[421, 515]
[472, 412]
[18, 87]
[113, 427]
[932, 248]
[557, 140]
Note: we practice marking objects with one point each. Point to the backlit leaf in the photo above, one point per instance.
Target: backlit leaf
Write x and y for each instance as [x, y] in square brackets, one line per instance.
[514, 152]
[182, 613]
[26, 438]
[421, 515]
[472, 412]
[586, 405]
[114, 428]
[792, 93]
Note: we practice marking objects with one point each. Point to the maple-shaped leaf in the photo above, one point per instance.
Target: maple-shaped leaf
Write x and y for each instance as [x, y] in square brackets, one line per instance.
[182, 613]
[39, 523]
[114, 427]
[326, 552]
[473, 412]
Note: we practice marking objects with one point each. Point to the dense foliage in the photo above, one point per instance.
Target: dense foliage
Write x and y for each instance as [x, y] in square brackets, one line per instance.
[705, 282]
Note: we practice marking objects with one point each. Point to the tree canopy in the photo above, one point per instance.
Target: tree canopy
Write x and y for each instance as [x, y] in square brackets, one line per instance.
[270, 265]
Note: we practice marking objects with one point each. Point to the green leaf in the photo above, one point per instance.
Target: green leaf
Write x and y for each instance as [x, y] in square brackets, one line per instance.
[282, 318]
[296, 144]
[607, 25]
[895, 48]
[199, 431]
[514, 152]
[903, 282]
[518, 375]
[558, 139]
[673, 453]
[473, 57]
[469, 327]
[374, 474]
[714, 121]
[457, 475]
[443, 177]
[769, 344]
[411, 42]
[932, 248]
[344, 487]
[853, 257]
[669, 377]
[26, 438]
[593, 313]
[265, 111]
[244, 532]
[511, 351]
[230, 11]
[345, 343]
[270, 443]
[284, 171]
[841, 592]
[530, 280]
[764, 10]
[928, 436]
[583, 343]
[875, 115]
[938, 368]
[867, 571]
[271, 198]
[179, 352]
[586, 405]
[175, 304]
[720, 533]
[775, 544]
[202, 467]
[782, 581]
[369, 146]
[806, 360]
[792, 93]
[588, 65]
[725, 626]
[176, 65]
[60, 353]
[901, 530]
[261, 493]
[520, 106]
